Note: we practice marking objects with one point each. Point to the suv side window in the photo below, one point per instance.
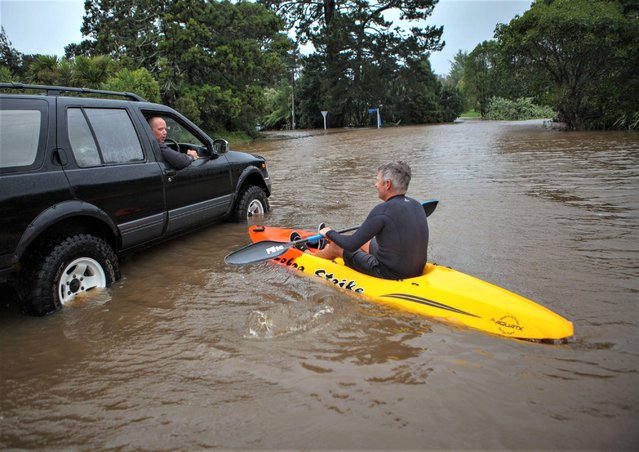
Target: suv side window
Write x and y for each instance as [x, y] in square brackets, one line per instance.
[100, 135]
[179, 133]
[20, 134]
[83, 145]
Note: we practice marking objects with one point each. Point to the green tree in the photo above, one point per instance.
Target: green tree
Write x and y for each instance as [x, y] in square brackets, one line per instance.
[236, 47]
[91, 72]
[360, 47]
[5, 75]
[454, 84]
[86, 72]
[10, 58]
[415, 94]
[140, 82]
[201, 52]
[44, 70]
[456, 74]
[480, 75]
[126, 30]
[452, 103]
[278, 108]
[309, 94]
[584, 52]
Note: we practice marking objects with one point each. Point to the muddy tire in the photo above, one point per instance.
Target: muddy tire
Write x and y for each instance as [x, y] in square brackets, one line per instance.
[252, 202]
[63, 269]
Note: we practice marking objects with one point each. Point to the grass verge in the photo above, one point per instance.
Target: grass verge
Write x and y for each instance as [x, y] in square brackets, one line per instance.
[470, 114]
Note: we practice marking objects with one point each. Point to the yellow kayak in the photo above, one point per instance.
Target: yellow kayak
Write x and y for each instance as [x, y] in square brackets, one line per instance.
[440, 292]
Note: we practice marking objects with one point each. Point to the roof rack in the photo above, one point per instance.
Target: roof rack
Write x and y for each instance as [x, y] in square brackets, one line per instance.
[56, 90]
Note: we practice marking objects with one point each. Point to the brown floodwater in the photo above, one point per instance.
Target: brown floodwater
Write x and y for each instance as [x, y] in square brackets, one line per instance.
[188, 353]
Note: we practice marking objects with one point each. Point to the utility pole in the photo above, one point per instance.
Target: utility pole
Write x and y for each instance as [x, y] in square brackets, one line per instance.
[293, 106]
[293, 90]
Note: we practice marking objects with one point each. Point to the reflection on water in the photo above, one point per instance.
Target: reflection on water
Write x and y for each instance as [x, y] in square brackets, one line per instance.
[188, 353]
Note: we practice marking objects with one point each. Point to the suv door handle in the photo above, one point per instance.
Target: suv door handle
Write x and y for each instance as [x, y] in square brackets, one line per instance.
[59, 157]
[170, 174]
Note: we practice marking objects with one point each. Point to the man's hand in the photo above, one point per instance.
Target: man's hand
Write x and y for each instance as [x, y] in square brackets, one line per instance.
[193, 154]
[324, 231]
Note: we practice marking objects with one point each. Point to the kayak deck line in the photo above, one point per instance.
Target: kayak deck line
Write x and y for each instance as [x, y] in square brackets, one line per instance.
[440, 293]
[426, 301]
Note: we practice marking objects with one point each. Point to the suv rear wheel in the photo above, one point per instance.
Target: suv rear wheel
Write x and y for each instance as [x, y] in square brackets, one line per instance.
[253, 201]
[64, 269]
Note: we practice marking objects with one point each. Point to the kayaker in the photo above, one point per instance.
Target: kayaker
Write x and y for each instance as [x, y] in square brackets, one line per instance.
[392, 243]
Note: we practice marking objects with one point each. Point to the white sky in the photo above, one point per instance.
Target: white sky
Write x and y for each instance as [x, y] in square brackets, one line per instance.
[47, 26]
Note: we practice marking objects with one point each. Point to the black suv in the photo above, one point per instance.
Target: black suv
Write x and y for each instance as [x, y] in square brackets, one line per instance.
[82, 180]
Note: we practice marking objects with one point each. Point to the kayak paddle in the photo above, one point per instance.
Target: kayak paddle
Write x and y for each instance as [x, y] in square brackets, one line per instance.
[270, 249]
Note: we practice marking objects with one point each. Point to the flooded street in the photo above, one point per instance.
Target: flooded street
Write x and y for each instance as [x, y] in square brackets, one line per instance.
[188, 353]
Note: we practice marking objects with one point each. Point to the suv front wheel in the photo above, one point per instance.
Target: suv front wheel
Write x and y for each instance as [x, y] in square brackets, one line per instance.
[253, 201]
[63, 270]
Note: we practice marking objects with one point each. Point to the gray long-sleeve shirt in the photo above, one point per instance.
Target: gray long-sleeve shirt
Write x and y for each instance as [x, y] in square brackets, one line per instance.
[176, 159]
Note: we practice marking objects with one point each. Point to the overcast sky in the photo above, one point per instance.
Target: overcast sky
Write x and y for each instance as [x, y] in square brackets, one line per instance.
[47, 26]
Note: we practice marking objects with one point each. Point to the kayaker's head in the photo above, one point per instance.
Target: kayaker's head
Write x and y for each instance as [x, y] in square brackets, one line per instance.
[392, 179]
[158, 127]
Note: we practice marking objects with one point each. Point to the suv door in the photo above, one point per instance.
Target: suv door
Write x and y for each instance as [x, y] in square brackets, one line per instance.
[109, 168]
[203, 191]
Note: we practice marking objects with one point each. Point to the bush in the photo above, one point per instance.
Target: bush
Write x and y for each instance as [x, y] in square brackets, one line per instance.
[627, 122]
[516, 110]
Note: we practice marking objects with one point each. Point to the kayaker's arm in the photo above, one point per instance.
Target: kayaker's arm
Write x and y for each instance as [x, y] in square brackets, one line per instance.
[369, 229]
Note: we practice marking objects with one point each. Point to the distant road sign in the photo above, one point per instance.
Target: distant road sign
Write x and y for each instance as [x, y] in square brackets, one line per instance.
[324, 113]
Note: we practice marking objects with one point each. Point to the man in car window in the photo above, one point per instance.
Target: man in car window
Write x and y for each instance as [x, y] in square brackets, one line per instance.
[174, 158]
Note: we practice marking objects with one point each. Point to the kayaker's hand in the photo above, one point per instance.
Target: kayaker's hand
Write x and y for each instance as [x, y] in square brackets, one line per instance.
[325, 231]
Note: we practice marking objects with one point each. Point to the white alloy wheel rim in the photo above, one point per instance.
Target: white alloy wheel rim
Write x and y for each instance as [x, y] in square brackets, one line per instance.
[80, 276]
[255, 208]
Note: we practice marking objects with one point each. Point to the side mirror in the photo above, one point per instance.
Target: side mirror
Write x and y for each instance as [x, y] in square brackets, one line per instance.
[220, 146]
